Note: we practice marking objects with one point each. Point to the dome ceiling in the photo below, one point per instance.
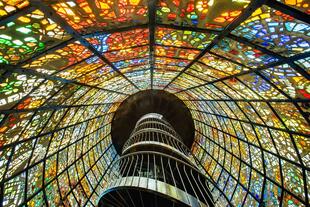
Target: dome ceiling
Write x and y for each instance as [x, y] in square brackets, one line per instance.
[241, 67]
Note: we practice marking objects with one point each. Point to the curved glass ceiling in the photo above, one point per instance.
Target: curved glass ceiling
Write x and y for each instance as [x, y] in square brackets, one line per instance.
[241, 67]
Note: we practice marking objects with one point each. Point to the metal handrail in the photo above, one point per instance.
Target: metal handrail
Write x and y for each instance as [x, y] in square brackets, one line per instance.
[159, 167]
[188, 157]
[155, 125]
[167, 167]
[153, 119]
[161, 137]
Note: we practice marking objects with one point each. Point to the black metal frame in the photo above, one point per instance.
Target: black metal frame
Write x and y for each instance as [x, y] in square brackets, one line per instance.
[45, 7]
[152, 24]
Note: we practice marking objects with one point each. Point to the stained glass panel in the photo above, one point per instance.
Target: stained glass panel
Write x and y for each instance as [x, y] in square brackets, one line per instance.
[58, 97]
[15, 87]
[130, 63]
[304, 63]
[11, 6]
[131, 53]
[202, 14]
[259, 86]
[186, 81]
[28, 35]
[291, 116]
[86, 16]
[221, 64]
[242, 53]
[172, 52]
[302, 5]
[181, 38]
[168, 67]
[117, 84]
[276, 31]
[171, 61]
[83, 68]
[171, 64]
[162, 78]
[119, 40]
[97, 76]
[136, 68]
[205, 72]
[289, 81]
[142, 78]
[59, 59]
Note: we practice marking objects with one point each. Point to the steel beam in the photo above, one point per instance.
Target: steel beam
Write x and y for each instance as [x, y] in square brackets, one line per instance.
[152, 24]
[250, 100]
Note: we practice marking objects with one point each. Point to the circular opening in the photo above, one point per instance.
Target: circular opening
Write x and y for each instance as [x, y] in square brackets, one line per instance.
[151, 101]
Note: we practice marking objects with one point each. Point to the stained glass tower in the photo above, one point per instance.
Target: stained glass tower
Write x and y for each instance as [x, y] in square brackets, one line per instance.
[241, 67]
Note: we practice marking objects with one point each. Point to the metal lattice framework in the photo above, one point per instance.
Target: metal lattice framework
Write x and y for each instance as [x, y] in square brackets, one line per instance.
[241, 67]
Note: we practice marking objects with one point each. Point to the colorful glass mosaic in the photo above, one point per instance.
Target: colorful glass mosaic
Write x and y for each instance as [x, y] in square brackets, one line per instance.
[119, 40]
[247, 89]
[302, 5]
[172, 52]
[242, 53]
[276, 31]
[27, 35]
[130, 53]
[204, 14]
[85, 16]
[181, 38]
[59, 59]
[141, 78]
[8, 7]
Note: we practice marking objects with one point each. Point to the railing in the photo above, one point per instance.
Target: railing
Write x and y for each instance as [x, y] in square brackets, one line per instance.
[151, 120]
[155, 136]
[156, 125]
[160, 173]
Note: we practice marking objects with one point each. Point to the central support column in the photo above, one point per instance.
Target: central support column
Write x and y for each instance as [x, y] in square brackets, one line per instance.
[155, 169]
